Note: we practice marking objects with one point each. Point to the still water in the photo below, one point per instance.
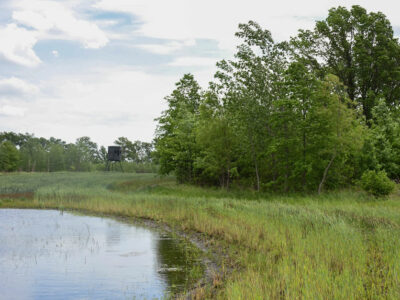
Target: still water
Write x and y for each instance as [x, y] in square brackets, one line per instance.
[47, 254]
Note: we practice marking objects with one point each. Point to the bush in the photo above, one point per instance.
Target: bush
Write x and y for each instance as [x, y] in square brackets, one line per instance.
[377, 183]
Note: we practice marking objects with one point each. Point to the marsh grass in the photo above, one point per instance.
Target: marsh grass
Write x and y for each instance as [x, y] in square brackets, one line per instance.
[340, 245]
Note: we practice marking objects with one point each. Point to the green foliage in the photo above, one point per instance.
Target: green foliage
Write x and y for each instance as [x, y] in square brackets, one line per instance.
[218, 144]
[175, 143]
[273, 121]
[9, 157]
[358, 47]
[385, 137]
[54, 155]
[303, 115]
[339, 245]
[377, 183]
[137, 151]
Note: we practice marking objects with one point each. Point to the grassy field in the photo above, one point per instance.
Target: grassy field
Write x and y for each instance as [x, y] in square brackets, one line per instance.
[341, 245]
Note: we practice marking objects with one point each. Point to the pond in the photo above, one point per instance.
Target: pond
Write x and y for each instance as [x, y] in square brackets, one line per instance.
[48, 254]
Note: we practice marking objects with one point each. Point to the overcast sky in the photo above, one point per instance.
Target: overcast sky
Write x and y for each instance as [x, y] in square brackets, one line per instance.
[101, 68]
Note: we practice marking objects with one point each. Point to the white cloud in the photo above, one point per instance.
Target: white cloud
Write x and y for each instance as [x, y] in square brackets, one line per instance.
[167, 48]
[55, 53]
[17, 45]
[17, 87]
[12, 111]
[218, 20]
[56, 20]
[41, 19]
[102, 103]
[193, 61]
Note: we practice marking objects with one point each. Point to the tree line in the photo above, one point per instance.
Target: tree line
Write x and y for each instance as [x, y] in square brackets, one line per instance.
[311, 113]
[25, 152]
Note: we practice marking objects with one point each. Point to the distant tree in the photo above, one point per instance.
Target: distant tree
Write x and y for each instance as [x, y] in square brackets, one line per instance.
[144, 151]
[33, 155]
[17, 139]
[86, 153]
[129, 149]
[56, 157]
[103, 155]
[72, 158]
[9, 157]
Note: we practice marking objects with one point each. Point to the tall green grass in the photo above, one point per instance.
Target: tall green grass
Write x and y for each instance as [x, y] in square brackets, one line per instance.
[341, 245]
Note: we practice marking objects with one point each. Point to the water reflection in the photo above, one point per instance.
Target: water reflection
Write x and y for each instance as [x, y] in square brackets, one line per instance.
[48, 255]
[175, 261]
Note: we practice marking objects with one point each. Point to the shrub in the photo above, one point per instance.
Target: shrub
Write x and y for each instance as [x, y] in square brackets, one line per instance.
[377, 183]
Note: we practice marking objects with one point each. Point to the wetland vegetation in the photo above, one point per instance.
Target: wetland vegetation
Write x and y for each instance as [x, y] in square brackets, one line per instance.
[336, 245]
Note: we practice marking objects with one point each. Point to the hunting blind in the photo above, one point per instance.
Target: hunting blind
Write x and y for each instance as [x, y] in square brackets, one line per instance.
[114, 155]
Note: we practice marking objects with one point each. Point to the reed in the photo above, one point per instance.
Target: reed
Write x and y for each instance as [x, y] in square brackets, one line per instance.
[339, 245]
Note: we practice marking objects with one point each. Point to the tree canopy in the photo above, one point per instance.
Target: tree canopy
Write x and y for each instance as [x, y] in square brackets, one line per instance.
[25, 152]
[311, 113]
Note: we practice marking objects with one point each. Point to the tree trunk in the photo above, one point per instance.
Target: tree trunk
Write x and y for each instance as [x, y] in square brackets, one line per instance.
[321, 185]
[274, 173]
[304, 179]
[286, 185]
[257, 176]
[255, 163]
[256, 170]
[222, 180]
[227, 180]
[228, 175]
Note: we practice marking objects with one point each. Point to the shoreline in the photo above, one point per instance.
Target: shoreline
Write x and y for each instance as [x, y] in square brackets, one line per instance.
[269, 246]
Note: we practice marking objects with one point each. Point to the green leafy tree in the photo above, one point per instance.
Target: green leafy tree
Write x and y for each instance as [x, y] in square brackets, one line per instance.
[144, 151]
[342, 131]
[138, 152]
[217, 142]
[250, 83]
[9, 157]
[291, 147]
[86, 154]
[384, 141]
[175, 143]
[358, 47]
[56, 157]
[33, 155]
[315, 132]
[17, 139]
[128, 149]
[103, 155]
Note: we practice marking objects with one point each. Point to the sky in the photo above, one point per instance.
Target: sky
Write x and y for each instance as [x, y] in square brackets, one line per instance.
[101, 68]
